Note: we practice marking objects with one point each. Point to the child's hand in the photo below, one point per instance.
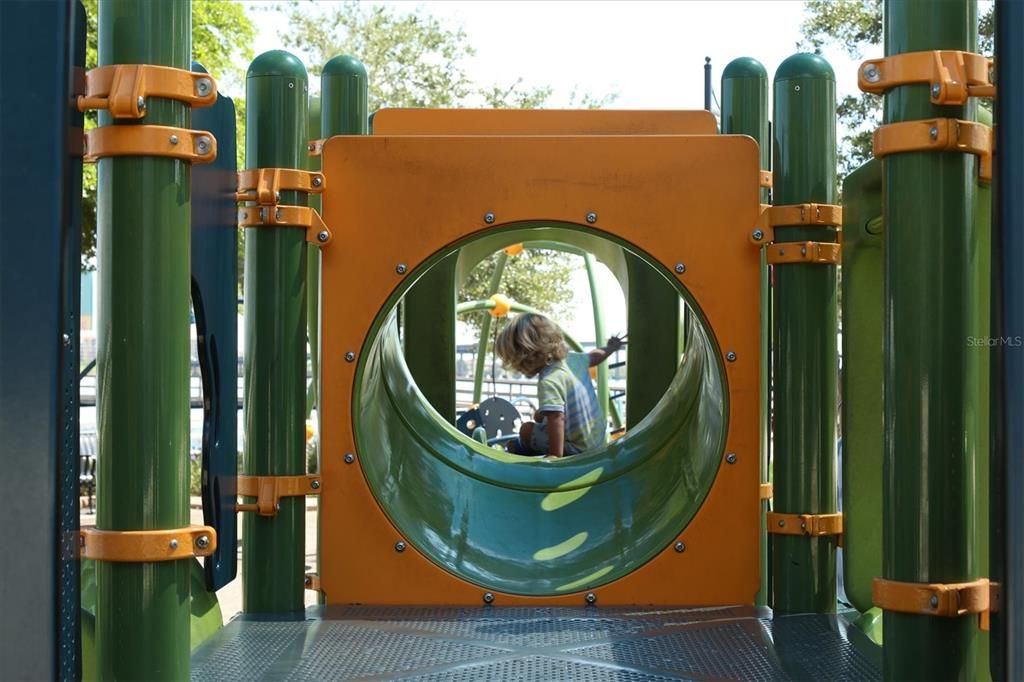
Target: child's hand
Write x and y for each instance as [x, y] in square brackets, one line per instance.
[615, 343]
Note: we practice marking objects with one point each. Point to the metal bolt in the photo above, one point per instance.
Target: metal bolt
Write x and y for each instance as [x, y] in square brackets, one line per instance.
[323, 236]
[591, 598]
[350, 356]
[591, 218]
[141, 103]
[317, 181]
[203, 145]
[204, 86]
[488, 598]
[782, 252]
[803, 525]
[796, 88]
[400, 268]
[782, 523]
[680, 268]
[803, 250]
[173, 544]
[314, 484]
[933, 133]
[349, 458]
[277, 214]
[277, 507]
[488, 218]
[174, 139]
[730, 356]
[758, 235]
[935, 601]
[66, 338]
[680, 547]
[202, 542]
[731, 458]
[309, 581]
[277, 197]
[311, 147]
[871, 73]
[936, 89]
[399, 546]
[291, 86]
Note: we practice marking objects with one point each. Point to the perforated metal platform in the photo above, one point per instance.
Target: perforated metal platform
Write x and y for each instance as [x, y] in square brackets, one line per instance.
[582, 645]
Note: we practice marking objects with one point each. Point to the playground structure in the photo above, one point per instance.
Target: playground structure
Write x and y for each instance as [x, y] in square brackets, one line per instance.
[702, 543]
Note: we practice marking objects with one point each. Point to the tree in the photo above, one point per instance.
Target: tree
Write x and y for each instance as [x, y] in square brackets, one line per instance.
[856, 26]
[535, 277]
[222, 35]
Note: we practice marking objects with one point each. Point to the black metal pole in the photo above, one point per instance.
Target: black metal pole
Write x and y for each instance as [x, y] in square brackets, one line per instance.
[1007, 471]
[707, 83]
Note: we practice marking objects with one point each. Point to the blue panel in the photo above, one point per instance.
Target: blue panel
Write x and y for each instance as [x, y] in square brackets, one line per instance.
[215, 302]
[41, 185]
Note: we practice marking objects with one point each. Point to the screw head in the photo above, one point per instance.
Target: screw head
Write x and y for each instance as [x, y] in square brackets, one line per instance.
[591, 217]
[400, 268]
[174, 139]
[871, 73]
[203, 86]
[758, 235]
[141, 103]
[803, 525]
[680, 547]
[323, 235]
[399, 546]
[782, 523]
[66, 339]
[935, 601]
[314, 484]
[203, 541]
[936, 89]
[680, 268]
[933, 133]
[173, 544]
[488, 598]
[591, 598]
[796, 88]
[350, 356]
[317, 181]
[803, 250]
[203, 145]
[349, 458]
[730, 356]
[731, 458]
[291, 86]
[488, 218]
[311, 147]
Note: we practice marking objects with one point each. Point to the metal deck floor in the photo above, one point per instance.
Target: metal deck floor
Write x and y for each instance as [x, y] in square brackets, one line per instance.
[582, 645]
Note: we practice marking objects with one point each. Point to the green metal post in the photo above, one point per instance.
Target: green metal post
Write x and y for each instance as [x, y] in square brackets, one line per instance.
[485, 329]
[143, 221]
[804, 338]
[745, 112]
[652, 355]
[275, 333]
[313, 280]
[599, 331]
[928, 473]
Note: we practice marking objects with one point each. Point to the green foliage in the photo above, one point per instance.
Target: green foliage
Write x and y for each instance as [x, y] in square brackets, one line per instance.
[536, 277]
[856, 27]
[222, 37]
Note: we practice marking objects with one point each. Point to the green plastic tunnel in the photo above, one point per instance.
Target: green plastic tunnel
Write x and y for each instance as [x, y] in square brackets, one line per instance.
[532, 526]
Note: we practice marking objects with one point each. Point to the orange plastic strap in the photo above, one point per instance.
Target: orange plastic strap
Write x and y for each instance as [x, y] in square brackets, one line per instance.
[196, 146]
[814, 525]
[315, 147]
[953, 75]
[765, 179]
[767, 491]
[123, 88]
[939, 135]
[263, 185]
[824, 253]
[287, 216]
[143, 546]
[268, 491]
[805, 214]
[502, 305]
[948, 600]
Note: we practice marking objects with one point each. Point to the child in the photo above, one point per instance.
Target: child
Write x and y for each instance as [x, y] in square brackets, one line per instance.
[569, 419]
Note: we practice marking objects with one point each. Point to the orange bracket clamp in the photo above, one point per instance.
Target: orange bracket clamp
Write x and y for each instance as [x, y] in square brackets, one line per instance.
[195, 146]
[813, 525]
[765, 179]
[824, 215]
[946, 600]
[939, 135]
[268, 491]
[315, 147]
[826, 253]
[264, 186]
[312, 582]
[122, 89]
[767, 491]
[953, 75]
[142, 546]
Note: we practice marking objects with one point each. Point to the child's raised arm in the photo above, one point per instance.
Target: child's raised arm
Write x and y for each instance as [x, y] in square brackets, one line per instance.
[601, 354]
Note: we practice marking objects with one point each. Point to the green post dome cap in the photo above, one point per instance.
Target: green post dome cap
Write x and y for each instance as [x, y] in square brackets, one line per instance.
[804, 65]
[344, 65]
[277, 63]
[744, 67]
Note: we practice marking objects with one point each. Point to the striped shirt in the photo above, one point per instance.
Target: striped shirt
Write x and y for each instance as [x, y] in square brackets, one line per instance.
[565, 386]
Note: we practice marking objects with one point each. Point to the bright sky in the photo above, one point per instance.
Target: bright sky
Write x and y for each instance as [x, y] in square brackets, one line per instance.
[651, 54]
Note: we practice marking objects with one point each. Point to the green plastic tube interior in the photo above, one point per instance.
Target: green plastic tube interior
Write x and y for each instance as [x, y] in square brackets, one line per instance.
[529, 526]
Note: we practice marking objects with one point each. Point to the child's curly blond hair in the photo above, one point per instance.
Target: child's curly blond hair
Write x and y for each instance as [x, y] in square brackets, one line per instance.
[529, 343]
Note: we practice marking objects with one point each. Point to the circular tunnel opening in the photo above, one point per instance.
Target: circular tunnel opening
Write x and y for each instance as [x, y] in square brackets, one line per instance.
[533, 526]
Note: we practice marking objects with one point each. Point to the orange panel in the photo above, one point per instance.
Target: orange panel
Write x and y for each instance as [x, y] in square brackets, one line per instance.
[404, 199]
[542, 122]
